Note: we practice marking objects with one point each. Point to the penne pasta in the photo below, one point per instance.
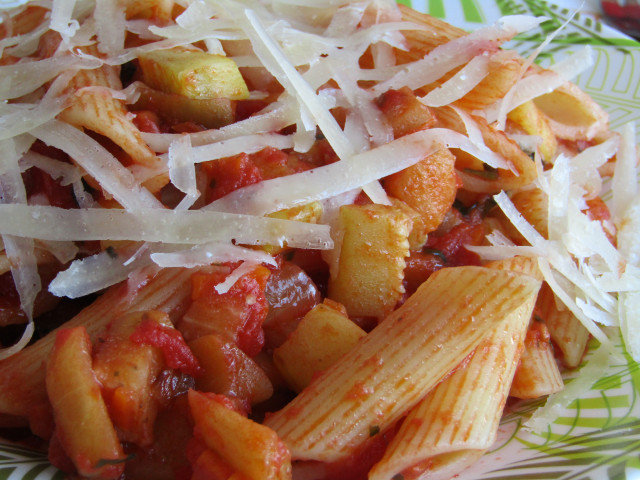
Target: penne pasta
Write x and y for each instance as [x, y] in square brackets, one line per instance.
[378, 381]
[537, 374]
[93, 107]
[458, 420]
[566, 331]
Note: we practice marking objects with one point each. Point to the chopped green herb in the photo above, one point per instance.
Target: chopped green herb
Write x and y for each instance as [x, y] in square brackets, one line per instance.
[435, 252]
[374, 430]
[111, 252]
[398, 476]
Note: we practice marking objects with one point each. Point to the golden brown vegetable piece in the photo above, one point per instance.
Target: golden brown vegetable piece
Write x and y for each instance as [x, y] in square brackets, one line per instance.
[229, 371]
[193, 73]
[404, 112]
[368, 277]
[210, 112]
[83, 426]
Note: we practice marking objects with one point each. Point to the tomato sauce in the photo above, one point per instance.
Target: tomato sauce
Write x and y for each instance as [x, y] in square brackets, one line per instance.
[177, 354]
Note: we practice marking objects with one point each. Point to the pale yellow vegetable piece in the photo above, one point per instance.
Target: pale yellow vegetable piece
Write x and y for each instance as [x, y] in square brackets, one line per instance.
[82, 423]
[323, 336]
[248, 447]
[368, 280]
[458, 420]
[538, 374]
[394, 367]
[193, 73]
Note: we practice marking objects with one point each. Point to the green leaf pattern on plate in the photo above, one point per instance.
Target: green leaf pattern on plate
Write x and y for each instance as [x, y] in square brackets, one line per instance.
[598, 436]
[18, 463]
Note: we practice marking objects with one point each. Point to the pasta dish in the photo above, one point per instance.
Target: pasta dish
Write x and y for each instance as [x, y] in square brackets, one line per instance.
[254, 240]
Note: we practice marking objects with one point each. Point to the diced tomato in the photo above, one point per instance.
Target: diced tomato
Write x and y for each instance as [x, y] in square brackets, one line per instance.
[147, 121]
[246, 108]
[40, 182]
[228, 174]
[451, 244]
[445, 250]
[177, 354]
[271, 162]
[419, 266]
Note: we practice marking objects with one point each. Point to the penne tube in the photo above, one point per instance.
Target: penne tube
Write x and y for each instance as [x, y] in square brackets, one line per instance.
[429, 187]
[379, 380]
[534, 207]
[538, 373]
[458, 420]
[523, 168]
[566, 331]
[503, 73]
[93, 107]
[529, 118]
[22, 386]
[521, 264]
[228, 434]
[420, 42]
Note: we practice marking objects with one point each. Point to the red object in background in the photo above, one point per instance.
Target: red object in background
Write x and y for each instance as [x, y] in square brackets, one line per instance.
[625, 15]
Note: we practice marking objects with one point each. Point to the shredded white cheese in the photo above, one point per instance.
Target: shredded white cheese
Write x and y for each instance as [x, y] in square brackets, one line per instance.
[158, 225]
